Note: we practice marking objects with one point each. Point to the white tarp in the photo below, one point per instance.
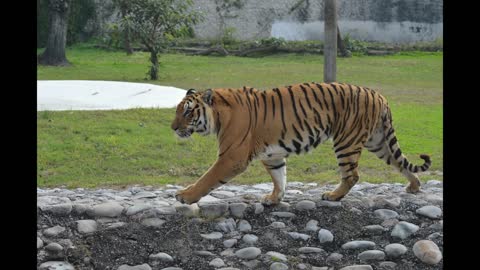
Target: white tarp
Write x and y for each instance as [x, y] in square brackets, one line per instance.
[104, 95]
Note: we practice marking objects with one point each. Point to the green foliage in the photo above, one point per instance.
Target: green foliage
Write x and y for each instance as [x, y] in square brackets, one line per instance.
[227, 37]
[156, 22]
[81, 11]
[354, 45]
[113, 36]
[273, 42]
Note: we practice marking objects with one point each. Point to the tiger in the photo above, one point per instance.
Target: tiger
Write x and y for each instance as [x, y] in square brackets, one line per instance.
[271, 125]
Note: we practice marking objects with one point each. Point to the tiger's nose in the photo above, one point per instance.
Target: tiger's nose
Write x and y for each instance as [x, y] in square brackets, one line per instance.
[174, 126]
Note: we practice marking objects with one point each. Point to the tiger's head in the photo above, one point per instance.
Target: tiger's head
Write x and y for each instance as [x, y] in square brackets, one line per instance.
[194, 114]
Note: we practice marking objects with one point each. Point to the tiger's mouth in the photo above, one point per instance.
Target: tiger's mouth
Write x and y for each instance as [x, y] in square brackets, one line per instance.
[184, 133]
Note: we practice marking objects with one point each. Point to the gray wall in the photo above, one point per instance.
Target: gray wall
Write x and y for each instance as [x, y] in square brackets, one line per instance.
[399, 21]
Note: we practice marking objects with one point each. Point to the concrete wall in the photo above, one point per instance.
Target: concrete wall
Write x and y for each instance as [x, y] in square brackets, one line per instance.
[399, 21]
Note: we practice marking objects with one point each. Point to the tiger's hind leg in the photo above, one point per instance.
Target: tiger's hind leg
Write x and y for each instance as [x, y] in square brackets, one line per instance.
[348, 163]
[378, 145]
[278, 171]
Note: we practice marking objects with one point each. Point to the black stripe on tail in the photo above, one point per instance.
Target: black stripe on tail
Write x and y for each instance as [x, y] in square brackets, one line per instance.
[397, 153]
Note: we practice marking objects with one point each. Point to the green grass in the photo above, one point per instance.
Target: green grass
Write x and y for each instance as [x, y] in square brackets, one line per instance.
[125, 147]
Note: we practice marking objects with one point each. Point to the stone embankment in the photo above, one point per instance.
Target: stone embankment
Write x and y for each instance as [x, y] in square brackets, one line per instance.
[376, 226]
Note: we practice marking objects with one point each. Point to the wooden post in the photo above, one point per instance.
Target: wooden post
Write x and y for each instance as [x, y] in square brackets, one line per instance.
[330, 46]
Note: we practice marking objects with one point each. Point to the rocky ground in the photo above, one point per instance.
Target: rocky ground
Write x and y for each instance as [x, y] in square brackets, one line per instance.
[376, 226]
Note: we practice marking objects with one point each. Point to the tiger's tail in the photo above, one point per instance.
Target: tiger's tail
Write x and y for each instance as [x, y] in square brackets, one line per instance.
[394, 147]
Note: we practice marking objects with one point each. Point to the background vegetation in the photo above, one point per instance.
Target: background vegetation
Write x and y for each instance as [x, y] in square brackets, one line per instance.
[124, 147]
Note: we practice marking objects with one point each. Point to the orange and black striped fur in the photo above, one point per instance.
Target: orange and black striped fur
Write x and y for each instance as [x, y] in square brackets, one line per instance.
[271, 125]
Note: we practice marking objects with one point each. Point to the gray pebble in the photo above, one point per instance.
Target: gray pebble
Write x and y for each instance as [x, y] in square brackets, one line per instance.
[136, 267]
[359, 244]
[244, 226]
[437, 225]
[108, 209]
[310, 250]
[404, 229]
[144, 194]
[248, 253]
[56, 265]
[259, 208]
[385, 214]
[249, 239]
[54, 231]
[433, 183]
[172, 268]
[302, 266]
[389, 223]
[229, 243]
[213, 210]
[227, 253]
[372, 255]
[278, 225]
[296, 235]
[165, 210]
[226, 225]
[212, 236]
[373, 229]
[395, 250]
[55, 205]
[276, 256]
[39, 243]
[383, 201]
[217, 262]
[278, 266]
[283, 214]
[334, 258]
[222, 194]
[305, 205]
[312, 226]
[163, 257]
[325, 236]
[186, 210]
[203, 253]
[153, 222]
[357, 267]
[430, 211]
[329, 204]
[237, 209]
[435, 236]
[387, 265]
[54, 247]
[86, 226]
[137, 208]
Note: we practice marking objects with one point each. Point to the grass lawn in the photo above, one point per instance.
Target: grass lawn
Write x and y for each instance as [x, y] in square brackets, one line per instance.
[124, 147]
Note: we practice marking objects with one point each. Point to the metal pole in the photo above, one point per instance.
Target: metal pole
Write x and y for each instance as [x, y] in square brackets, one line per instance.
[330, 46]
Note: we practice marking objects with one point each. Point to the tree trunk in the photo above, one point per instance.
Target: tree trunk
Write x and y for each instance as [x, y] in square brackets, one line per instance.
[330, 47]
[126, 40]
[54, 54]
[154, 68]
[126, 31]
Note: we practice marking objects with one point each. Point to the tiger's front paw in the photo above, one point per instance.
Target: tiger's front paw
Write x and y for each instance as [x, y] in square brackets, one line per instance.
[331, 196]
[187, 195]
[413, 189]
[270, 200]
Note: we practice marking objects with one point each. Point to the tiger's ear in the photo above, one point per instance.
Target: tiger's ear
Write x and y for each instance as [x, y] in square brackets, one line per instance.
[191, 91]
[207, 96]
